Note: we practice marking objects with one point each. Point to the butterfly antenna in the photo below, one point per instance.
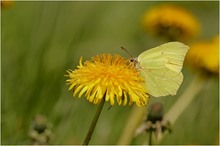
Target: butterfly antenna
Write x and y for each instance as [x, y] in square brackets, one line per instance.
[126, 51]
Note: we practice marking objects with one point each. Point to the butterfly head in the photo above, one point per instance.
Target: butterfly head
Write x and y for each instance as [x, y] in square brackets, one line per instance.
[135, 62]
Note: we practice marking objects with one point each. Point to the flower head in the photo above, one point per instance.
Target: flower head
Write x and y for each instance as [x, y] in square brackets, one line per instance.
[40, 131]
[155, 121]
[205, 56]
[171, 22]
[109, 77]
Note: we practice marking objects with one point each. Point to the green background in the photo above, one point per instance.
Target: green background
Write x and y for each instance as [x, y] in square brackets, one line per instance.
[41, 40]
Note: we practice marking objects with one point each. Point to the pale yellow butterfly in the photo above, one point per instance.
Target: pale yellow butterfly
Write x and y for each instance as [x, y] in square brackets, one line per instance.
[161, 68]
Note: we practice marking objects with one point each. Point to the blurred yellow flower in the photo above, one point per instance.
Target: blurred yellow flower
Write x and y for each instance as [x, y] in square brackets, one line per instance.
[204, 55]
[6, 3]
[109, 77]
[170, 21]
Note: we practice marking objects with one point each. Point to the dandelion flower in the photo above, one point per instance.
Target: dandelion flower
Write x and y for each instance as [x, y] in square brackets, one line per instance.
[109, 77]
[205, 56]
[170, 21]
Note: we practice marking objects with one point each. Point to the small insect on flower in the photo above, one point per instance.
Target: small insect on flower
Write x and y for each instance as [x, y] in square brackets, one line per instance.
[109, 77]
[161, 68]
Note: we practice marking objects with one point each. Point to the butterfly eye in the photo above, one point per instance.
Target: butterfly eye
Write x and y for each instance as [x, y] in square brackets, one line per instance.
[132, 60]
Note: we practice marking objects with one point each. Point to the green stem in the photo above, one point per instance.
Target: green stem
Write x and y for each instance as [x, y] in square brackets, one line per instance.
[94, 122]
[150, 137]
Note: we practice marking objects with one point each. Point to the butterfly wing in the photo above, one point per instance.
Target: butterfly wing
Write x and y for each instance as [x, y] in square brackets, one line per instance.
[172, 53]
[161, 81]
[161, 68]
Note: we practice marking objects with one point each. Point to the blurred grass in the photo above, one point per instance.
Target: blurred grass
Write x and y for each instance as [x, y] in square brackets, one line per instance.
[41, 40]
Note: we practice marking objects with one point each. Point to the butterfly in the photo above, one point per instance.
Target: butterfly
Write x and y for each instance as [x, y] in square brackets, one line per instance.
[161, 68]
